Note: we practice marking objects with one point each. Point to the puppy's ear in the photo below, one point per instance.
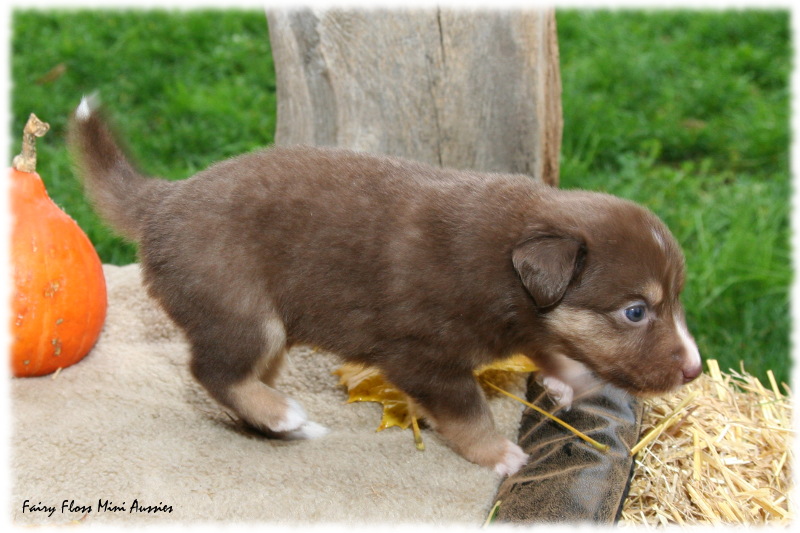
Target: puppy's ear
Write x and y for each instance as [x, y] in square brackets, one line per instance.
[546, 265]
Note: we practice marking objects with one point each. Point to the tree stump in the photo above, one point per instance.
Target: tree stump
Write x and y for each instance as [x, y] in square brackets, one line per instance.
[461, 89]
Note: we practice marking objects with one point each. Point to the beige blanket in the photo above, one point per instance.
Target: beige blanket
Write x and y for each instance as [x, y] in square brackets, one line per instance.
[127, 436]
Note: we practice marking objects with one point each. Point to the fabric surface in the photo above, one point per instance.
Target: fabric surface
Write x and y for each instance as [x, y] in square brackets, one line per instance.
[127, 430]
[567, 479]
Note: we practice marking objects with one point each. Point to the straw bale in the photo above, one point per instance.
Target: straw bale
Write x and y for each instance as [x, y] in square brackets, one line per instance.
[718, 451]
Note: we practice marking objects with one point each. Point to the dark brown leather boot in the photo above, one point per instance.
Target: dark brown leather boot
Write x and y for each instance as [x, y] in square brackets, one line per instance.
[566, 478]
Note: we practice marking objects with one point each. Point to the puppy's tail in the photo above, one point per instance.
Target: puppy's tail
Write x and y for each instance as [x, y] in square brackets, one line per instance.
[120, 194]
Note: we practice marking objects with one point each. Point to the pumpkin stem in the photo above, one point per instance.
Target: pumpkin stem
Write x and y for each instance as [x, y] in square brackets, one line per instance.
[26, 161]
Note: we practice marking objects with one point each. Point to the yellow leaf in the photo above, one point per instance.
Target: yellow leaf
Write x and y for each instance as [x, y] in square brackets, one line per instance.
[367, 384]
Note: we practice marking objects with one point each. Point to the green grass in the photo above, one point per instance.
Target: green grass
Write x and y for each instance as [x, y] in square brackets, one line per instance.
[186, 88]
[686, 112]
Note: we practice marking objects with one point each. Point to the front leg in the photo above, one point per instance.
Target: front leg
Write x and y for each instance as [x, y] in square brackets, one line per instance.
[455, 406]
[561, 393]
[565, 379]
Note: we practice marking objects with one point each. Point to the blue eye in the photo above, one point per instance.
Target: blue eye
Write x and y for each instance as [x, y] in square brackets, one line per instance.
[635, 313]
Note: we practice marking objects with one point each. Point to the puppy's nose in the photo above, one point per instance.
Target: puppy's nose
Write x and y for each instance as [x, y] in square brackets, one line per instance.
[691, 372]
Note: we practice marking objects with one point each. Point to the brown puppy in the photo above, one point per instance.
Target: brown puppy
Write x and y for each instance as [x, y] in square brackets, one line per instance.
[423, 272]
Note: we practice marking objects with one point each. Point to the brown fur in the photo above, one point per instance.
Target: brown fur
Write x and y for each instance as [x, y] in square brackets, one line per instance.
[423, 272]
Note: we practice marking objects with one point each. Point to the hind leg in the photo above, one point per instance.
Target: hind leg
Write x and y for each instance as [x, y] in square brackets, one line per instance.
[456, 407]
[237, 362]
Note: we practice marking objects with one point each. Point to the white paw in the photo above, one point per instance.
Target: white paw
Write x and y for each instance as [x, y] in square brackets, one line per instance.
[560, 392]
[512, 460]
[293, 418]
[309, 430]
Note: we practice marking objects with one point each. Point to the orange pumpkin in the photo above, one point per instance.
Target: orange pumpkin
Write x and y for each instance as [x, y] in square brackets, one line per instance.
[59, 299]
